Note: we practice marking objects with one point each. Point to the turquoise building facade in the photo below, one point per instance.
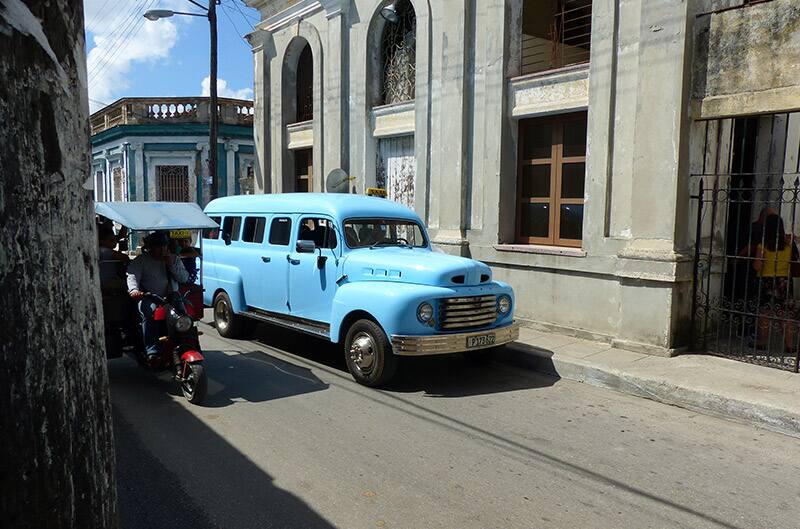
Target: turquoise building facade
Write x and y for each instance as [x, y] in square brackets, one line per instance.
[158, 149]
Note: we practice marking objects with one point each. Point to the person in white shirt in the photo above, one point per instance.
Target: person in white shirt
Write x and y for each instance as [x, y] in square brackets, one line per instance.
[155, 271]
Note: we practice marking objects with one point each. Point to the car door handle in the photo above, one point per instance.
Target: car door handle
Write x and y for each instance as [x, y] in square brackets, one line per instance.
[266, 259]
[292, 261]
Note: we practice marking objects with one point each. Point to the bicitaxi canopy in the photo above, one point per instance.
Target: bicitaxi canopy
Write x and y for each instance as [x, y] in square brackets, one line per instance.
[151, 216]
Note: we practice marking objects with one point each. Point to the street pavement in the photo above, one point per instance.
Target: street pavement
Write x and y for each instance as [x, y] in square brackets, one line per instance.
[286, 439]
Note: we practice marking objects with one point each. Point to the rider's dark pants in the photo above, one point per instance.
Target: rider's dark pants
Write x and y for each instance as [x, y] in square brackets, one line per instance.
[150, 328]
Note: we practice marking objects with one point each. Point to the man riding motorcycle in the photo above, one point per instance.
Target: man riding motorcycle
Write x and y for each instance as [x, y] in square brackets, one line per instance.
[154, 271]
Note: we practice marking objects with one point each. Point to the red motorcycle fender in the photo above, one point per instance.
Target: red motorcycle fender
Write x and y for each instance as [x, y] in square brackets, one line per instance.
[190, 357]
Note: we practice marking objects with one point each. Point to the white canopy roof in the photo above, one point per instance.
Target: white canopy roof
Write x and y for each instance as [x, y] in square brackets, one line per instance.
[155, 215]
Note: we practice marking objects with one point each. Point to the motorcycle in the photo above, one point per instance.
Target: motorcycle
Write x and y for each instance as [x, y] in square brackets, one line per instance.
[179, 349]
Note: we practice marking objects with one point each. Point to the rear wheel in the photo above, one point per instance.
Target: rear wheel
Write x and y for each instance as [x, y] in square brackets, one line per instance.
[195, 385]
[369, 354]
[227, 322]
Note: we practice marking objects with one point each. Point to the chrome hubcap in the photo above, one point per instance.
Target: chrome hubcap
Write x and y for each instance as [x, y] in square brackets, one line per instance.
[362, 353]
[221, 315]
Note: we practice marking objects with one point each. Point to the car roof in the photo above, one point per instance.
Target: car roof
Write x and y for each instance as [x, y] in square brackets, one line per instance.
[337, 205]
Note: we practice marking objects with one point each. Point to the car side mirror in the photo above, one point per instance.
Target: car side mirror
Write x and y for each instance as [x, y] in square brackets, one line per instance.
[227, 238]
[306, 246]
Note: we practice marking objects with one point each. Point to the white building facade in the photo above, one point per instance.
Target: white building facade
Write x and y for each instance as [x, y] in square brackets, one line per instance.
[554, 140]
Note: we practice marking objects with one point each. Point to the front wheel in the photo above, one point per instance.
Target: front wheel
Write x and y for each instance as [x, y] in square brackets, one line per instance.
[195, 384]
[369, 354]
[227, 322]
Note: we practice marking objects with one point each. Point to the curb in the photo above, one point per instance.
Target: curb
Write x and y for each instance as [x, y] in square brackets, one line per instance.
[659, 389]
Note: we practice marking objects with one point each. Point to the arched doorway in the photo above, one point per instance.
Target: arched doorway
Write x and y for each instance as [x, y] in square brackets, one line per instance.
[298, 116]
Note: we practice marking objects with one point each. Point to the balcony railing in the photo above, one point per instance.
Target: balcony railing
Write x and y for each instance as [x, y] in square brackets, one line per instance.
[146, 110]
[556, 37]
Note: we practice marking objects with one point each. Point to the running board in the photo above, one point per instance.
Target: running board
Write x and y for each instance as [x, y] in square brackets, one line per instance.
[323, 330]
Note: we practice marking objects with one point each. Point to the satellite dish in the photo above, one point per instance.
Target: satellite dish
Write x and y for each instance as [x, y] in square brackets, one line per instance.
[338, 181]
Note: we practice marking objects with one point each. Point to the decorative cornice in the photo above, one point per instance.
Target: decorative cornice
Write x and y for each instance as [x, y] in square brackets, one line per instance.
[290, 15]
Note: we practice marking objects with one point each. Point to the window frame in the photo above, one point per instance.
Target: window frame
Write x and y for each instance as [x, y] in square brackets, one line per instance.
[556, 160]
[206, 234]
[236, 227]
[255, 219]
[331, 228]
[278, 218]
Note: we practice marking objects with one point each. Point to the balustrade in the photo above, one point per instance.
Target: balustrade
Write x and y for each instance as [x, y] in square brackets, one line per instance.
[139, 110]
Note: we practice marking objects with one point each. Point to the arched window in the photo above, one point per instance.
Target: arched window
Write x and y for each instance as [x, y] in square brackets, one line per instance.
[305, 85]
[399, 55]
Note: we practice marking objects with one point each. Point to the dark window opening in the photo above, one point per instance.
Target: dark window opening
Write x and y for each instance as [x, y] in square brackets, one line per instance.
[320, 231]
[231, 227]
[555, 33]
[254, 229]
[280, 231]
[305, 85]
[212, 233]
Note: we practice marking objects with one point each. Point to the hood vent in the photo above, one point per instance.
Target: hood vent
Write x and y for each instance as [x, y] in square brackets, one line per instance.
[458, 280]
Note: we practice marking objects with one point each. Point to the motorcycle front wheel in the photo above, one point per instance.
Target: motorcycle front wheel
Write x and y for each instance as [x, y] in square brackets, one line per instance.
[195, 384]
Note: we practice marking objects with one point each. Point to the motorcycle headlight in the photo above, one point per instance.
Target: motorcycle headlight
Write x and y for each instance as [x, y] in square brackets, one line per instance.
[504, 304]
[425, 312]
[183, 323]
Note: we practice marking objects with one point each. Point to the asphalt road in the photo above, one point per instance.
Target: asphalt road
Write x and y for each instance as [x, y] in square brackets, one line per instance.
[286, 439]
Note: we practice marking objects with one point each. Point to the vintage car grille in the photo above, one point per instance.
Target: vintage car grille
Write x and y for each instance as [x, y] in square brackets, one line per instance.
[467, 313]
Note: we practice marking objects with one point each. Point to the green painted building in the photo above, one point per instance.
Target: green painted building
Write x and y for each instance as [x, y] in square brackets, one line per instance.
[158, 149]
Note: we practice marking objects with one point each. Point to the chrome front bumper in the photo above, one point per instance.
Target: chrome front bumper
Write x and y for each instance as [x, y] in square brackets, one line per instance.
[450, 343]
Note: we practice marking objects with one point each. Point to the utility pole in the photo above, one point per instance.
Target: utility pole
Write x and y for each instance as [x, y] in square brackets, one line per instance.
[213, 104]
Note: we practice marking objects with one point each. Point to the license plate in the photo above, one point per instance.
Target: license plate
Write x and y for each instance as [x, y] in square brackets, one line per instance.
[481, 340]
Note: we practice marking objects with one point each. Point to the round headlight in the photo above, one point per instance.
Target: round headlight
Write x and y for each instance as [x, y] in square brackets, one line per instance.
[183, 323]
[425, 312]
[504, 304]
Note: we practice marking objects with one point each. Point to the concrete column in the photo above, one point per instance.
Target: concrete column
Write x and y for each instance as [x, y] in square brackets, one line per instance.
[231, 147]
[263, 54]
[138, 164]
[662, 118]
[202, 151]
[335, 133]
[451, 122]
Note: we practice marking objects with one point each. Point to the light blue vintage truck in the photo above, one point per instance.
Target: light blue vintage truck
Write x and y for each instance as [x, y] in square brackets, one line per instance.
[355, 270]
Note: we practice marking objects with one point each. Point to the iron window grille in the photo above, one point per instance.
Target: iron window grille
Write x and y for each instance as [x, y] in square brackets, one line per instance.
[399, 56]
[555, 37]
[173, 183]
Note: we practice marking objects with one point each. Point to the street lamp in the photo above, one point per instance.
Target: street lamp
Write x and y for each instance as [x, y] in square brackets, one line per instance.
[389, 13]
[213, 125]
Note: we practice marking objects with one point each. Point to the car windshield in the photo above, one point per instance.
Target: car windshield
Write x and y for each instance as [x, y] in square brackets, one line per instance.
[365, 233]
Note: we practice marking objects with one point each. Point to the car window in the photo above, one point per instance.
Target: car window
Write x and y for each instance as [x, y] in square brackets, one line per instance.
[254, 229]
[212, 233]
[320, 231]
[280, 231]
[231, 226]
[360, 233]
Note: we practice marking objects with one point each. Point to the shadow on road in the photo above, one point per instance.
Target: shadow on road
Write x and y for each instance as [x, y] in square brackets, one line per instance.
[437, 376]
[175, 471]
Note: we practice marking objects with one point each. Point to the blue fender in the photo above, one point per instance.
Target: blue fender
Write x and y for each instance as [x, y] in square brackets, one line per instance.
[228, 278]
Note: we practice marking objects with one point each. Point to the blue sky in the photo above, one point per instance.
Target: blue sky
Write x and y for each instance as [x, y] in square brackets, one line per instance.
[129, 56]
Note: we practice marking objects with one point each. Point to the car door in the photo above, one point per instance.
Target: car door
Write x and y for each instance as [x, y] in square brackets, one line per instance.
[274, 266]
[312, 276]
[251, 259]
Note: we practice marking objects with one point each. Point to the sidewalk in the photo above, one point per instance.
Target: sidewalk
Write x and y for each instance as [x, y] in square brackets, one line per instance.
[761, 396]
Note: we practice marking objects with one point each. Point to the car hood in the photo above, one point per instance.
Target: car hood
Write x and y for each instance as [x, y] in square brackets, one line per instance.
[414, 265]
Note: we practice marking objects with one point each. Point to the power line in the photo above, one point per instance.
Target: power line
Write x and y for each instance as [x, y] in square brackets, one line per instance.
[123, 40]
[115, 36]
[238, 33]
[244, 16]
